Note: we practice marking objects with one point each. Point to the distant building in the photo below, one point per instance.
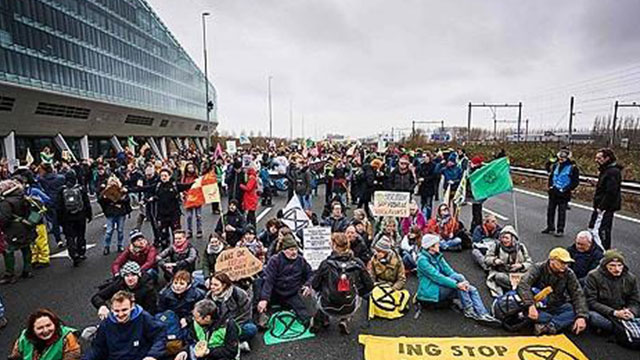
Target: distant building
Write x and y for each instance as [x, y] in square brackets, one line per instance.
[90, 70]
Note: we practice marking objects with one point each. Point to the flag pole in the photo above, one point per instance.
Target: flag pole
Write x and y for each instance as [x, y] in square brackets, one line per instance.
[515, 210]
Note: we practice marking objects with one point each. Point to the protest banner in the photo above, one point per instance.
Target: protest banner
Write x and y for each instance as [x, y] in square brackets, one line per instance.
[557, 347]
[231, 147]
[317, 245]
[391, 203]
[247, 160]
[238, 263]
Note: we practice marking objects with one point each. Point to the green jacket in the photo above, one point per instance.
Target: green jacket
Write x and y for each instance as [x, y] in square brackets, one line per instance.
[433, 273]
[53, 352]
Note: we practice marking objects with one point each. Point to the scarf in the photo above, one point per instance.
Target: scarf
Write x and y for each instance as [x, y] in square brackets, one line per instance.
[224, 296]
[511, 251]
[215, 249]
[181, 248]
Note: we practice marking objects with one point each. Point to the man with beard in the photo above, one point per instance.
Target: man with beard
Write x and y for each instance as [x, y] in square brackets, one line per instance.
[607, 198]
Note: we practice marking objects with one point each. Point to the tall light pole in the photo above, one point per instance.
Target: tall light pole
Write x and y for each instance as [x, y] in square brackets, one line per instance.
[206, 76]
[270, 111]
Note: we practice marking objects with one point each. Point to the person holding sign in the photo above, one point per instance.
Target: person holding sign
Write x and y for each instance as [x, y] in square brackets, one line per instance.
[504, 259]
[339, 283]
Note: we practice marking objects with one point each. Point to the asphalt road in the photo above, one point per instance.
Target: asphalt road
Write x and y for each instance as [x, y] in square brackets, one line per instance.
[67, 290]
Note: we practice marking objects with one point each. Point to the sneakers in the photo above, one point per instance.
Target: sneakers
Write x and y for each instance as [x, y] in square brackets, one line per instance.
[559, 234]
[544, 329]
[199, 234]
[471, 314]
[244, 347]
[8, 279]
[60, 244]
[489, 320]
[343, 325]
[120, 248]
[106, 251]
[547, 231]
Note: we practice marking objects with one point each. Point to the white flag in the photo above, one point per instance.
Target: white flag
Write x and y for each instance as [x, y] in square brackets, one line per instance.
[294, 216]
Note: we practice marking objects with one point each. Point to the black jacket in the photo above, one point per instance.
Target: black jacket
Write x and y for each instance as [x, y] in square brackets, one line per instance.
[234, 180]
[167, 200]
[65, 217]
[235, 219]
[12, 204]
[321, 280]
[607, 196]
[115, 208]
[426, 171]
[399, 181]
[145, 294]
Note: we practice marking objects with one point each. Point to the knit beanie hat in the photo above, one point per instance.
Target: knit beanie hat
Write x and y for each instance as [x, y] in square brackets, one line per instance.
[288, 242]
[383, 244]
[611, 255]
[131, 267]
[428, 240]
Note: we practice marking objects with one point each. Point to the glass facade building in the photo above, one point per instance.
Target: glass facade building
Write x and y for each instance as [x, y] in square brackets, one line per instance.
[115, 51]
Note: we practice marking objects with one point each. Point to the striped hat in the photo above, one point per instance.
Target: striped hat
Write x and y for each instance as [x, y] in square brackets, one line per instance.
[383, 244]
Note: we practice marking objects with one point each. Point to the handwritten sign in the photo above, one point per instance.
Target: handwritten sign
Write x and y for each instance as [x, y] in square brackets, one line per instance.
[231, 147]
[391, 203]
[317, 245]
[238, 263]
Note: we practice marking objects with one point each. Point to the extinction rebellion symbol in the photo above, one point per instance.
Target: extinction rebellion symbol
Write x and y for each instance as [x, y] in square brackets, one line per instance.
[544, 352]
[490, 177]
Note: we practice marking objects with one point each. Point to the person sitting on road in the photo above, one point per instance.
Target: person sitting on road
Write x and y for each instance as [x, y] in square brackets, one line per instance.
[336, 221]
[179, 256]
[232, 224]
[438, 282]
[612, 292]
[179, 295]
[270, 232]
[504, 258]
[286, 277]
[386, 266]
[447, 227]
[484, 236]
[214, 248]
[138, 251]
[131, 279]
[46, 338]
[339, 283]
[251, 242]
[410, 248]
[357, 244]
[127, 333]
[367, 227]
[415, 218]
[390, 230]
[210, 336]
[233, 303]
[559, 313]
[586, 255]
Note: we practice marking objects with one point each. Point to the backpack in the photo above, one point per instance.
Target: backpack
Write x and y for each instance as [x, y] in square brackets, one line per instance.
[627, 333]
[173, 331]
[342, 287]
[508, 308]
[72, 198]
[36, 212]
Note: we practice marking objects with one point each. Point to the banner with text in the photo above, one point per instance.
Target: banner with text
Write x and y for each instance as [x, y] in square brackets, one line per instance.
[391, 203]
[317, 245]
[557, 347]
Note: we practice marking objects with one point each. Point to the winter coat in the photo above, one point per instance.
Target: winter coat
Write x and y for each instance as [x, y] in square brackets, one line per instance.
[480, 233]
[574, 176]
[607, 195]
[495, 251]
[391, 272]
[65, 217]
[433, 273]
[336, 225]
[413, 220]
[236, 306]
[142, 336]
[167, 200]
[181, 304]
[17, 234]
[267, 238]
[284, 277]
[209, 262]
[565, 288]
[301, 180]
[360, 249]
[404, 182]
[146, 258]
[51, 184]
[606, 293]
[446, 232]
[228, 350]
[145, 294]
[184, 261]
[453, 175]
[427, 172]
[115, 208]
[368, 183]
[235, 219]
[584, 261]
[250, 192]
[234, 180]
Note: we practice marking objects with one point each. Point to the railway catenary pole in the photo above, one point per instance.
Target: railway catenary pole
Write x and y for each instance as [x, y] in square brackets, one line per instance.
[612, 141]
[206, 76]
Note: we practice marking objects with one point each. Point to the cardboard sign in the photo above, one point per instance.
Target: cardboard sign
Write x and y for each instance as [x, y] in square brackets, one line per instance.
[247, 160]
[231, 147]
[317, 245]
[391, 203]
[238, 263]
[557, 347]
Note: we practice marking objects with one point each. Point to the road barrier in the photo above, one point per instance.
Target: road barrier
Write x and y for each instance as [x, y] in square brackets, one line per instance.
[629, 187]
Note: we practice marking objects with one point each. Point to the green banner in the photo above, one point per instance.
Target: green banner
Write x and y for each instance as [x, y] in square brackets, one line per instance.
[492, 179]
[284, 326]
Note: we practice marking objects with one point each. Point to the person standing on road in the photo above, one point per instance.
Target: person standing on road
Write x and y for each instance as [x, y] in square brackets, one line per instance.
[559, 313]
[426, 174]
[250, 196]
[607, 198]
[74, 214]
[564, 177]
[115, 205]
[190, 176]
[46, 338]
[52, 184]
[402, 178]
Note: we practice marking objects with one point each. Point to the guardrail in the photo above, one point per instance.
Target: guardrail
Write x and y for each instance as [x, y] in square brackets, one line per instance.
[629, 187]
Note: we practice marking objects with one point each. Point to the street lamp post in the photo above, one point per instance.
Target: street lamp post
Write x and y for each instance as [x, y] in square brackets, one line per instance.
[270, 111]
[206, 77]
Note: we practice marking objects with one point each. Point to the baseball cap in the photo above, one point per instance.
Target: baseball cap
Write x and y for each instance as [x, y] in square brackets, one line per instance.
[560, 254]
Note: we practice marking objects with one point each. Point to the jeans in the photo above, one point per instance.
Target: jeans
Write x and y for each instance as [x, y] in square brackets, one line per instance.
[197, 212]
[305, 201]
[600, 322]
[2, 308]
[409, 262]
[561, 204]
[561, 317]
[451, 243]
[469, 299]
[198, 278]
[248, 331]
[426, 201]
[52, 218]
[111, 222]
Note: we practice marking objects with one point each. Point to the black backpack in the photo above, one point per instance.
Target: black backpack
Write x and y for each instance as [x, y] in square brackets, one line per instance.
[72, 198]
[509, 308]
[343, 280]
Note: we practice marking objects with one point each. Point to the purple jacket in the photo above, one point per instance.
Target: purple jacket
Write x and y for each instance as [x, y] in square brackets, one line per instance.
[408, 222]
[284, 277]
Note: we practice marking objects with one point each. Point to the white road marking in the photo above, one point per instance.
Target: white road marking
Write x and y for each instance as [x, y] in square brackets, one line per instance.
[501, 217]
[65, 254]
[579, 206]
[263, 214]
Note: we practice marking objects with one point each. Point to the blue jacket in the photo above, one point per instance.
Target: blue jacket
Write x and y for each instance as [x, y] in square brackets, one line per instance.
[52, 184]
[453, 174]
[136, 339]
[433, 272]
[36, 193]
[180, 304]
[479, 233]
[284, 277]
[585, 261]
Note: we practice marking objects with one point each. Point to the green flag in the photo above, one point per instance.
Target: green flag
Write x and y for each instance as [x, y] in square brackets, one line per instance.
[284, 326]
[492, 179]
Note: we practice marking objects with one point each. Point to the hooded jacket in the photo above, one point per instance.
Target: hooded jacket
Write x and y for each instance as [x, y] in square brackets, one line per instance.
[495, 252]
[181, 304]
[284, 277]
[142, 336]
[51, 184]
[434, 272]
[250, 191]
[607, 195]
[606, 293]
[13, 204]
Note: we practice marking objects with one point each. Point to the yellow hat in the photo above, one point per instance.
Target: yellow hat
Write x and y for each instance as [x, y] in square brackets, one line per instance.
[560, 254]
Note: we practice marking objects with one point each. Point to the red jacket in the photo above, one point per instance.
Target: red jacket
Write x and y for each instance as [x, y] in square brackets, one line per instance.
[145, 258]
[448, 232]
[250, 197]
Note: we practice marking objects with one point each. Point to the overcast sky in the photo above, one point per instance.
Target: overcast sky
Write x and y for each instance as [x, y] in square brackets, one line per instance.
[359, 67]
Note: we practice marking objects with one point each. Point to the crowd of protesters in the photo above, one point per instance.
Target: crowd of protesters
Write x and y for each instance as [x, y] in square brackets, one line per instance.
[166, 300]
